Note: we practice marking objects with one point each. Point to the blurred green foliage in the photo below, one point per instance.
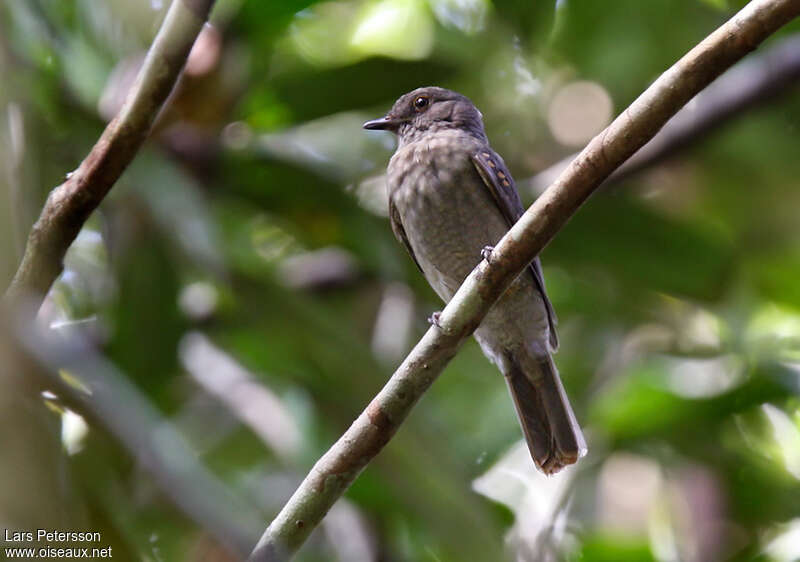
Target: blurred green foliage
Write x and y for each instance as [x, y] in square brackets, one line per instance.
[677, 289]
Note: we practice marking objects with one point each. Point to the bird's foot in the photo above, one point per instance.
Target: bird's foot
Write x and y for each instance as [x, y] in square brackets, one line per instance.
[433, 319]
[486, 253]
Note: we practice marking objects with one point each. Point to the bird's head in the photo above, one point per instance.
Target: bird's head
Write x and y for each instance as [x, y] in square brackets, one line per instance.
[429, 110]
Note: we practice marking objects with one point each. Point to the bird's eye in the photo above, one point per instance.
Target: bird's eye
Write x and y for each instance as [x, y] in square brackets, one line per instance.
[421, 103]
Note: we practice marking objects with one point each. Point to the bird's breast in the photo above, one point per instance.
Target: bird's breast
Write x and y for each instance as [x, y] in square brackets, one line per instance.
[445, 209]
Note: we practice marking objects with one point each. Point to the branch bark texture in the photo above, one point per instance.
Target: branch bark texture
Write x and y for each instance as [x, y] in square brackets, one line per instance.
[69, 205]
[339, 466]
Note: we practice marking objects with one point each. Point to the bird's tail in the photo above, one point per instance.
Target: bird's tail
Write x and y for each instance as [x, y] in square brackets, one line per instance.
[554, 437]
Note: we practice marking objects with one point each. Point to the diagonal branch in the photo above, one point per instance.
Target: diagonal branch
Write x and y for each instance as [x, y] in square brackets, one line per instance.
[338, 468]
[69, 205]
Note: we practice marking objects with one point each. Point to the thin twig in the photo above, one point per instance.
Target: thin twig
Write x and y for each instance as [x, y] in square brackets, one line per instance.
[336, 470]
[69, 205]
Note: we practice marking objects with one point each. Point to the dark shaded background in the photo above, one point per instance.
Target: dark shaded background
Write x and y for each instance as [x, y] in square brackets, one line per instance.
[243, 276]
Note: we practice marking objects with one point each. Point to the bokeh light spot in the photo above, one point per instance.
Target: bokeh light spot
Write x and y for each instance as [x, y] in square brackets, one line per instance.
[578, 111]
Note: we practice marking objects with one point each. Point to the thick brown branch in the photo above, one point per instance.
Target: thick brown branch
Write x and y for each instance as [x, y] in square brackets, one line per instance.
[337, 469]
[71, 203]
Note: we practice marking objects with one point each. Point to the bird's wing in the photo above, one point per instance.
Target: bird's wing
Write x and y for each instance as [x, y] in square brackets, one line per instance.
[400, 232]
[500, 184]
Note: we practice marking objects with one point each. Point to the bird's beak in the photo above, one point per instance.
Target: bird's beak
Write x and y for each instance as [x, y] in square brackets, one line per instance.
[383, 124]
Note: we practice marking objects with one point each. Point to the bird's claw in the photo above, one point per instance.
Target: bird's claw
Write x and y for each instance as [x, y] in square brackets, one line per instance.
[433, 319]
[486, 253]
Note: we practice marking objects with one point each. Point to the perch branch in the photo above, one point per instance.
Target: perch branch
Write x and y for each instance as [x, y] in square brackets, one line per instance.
[69, 205]
[339, 466]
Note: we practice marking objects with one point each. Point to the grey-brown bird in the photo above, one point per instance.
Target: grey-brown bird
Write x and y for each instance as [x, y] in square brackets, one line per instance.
[451, 198]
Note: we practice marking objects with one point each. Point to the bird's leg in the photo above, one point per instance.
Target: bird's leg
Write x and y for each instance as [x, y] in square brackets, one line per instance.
[433, 319]
[486, 253]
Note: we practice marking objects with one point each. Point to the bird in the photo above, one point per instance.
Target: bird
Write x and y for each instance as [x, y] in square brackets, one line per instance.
[451, 198]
